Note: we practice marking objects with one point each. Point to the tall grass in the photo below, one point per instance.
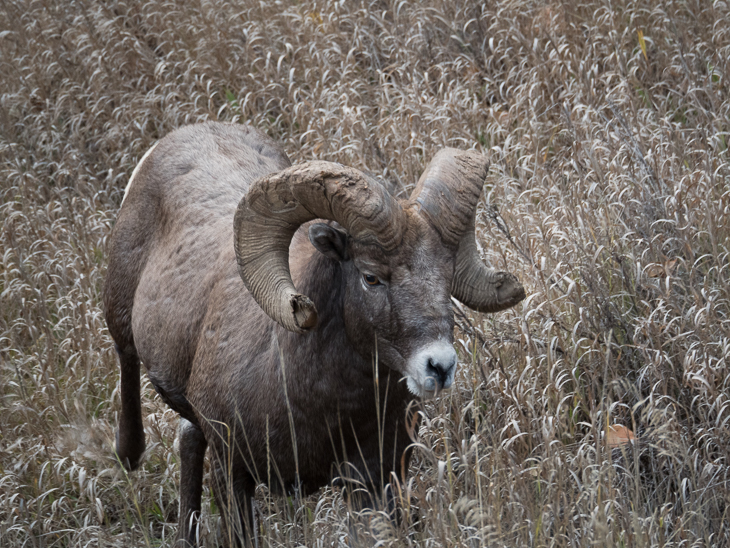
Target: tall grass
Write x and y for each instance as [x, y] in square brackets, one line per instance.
[608, 126]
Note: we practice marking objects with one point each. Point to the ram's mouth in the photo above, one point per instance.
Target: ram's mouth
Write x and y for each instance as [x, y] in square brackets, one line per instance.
[427, 390]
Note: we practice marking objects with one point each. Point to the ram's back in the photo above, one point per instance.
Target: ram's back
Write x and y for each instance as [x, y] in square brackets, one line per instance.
[173, 243]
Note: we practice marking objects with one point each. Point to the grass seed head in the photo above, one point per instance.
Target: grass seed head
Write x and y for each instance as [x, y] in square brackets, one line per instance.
[607, 129]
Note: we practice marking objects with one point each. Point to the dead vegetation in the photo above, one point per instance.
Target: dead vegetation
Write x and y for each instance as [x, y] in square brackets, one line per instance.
[608, 127]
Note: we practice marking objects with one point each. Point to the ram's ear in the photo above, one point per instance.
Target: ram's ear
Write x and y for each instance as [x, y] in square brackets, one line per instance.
[329, 241]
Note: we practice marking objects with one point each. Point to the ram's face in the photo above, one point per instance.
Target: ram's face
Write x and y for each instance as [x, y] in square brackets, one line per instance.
[398, 305]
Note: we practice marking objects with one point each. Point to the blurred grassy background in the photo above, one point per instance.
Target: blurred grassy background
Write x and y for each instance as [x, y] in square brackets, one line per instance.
[608, 127]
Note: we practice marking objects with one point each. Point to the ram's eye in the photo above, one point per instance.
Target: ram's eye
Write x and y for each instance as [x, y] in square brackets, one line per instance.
[370, 279]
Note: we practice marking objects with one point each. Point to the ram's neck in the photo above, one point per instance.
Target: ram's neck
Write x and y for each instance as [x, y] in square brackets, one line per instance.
[336, 401]
[326, 350]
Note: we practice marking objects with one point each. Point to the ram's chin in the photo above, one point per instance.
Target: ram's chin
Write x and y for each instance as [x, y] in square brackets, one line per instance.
[422, 391]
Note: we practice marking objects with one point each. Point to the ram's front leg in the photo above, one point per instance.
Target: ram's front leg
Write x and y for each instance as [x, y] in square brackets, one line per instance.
[384, 472]
[371, 482]
[192, 457]
[234, 490]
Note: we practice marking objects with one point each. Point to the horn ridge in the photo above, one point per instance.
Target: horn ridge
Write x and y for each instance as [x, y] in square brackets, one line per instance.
[447, 194]
[276, 205]
[449, 189]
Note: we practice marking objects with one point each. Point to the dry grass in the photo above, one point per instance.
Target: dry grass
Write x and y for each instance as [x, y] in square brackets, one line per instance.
[608, 126]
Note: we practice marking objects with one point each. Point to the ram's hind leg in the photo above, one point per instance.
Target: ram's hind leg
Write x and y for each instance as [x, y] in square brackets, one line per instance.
[192, 457]
[130, 436]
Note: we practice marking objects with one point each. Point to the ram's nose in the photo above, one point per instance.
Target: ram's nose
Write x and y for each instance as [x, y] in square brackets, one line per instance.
[440, 367]
[432, 368]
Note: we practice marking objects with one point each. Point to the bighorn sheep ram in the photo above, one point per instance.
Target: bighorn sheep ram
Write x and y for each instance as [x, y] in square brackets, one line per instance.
[204, 259]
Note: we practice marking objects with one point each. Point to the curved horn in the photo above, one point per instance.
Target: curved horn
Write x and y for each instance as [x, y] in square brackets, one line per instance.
[447, 193]
[276, 205]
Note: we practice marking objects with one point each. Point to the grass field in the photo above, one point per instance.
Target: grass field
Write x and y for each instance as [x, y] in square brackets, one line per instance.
[607, 125]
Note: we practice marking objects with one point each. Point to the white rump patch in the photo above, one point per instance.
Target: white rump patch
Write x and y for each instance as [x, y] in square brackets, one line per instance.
[136, 170]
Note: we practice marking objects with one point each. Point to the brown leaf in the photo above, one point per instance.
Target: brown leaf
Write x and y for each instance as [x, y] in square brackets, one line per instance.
[619, 435]
[659, 270]
[655, 270]
[669, 266]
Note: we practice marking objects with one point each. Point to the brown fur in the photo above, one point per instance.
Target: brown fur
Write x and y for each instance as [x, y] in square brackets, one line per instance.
[174, 299]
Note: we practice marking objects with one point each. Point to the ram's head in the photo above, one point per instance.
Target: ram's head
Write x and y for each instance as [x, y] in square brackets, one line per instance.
[401, 260]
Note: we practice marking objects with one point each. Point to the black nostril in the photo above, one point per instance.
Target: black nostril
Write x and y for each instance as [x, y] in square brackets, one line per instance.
[438, 371]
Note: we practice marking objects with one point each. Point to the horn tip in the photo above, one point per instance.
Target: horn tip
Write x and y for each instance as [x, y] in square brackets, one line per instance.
[304, 313]
[503, 292]
[510, 291]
